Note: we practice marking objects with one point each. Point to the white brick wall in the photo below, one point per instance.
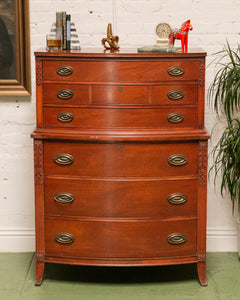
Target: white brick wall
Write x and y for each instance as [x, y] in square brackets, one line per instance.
[134, 21]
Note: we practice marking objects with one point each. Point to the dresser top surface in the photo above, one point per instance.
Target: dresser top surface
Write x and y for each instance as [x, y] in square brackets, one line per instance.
[122, 53]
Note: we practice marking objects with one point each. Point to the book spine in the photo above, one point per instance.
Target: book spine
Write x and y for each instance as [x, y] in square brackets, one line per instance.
[59, 26]
[64, 30]
[68, 42]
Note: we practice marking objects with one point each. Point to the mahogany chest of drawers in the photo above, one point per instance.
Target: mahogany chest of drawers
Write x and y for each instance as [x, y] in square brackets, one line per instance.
[120, 156]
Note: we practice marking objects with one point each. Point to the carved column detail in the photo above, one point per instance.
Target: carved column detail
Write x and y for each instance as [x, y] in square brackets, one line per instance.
[40, 257]
[38, 71]
[201, 257]
[38, 161]
[202, 73]
[203, 157]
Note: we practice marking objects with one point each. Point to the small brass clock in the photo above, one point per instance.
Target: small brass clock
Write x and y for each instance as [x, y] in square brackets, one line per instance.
[163, 30]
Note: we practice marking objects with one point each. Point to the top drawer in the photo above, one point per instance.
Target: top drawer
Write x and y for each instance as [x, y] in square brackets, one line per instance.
[120, 71]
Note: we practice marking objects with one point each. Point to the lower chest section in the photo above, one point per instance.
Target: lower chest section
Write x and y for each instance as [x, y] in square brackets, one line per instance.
[124, 200]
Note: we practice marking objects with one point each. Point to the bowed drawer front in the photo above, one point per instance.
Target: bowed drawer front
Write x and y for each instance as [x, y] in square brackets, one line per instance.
[111, 239]
[120, 159]
[90, 94]
[118, 71]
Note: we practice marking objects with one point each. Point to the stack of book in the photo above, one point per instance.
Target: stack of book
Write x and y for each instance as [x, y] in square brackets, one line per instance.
[63, 29]
[157, 48]
[74, 39]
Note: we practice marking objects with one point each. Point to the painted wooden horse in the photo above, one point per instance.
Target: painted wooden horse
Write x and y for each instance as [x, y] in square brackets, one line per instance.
[181, 34]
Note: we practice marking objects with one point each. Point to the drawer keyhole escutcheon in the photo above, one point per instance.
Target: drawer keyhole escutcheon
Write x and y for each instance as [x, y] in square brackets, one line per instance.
[64, 159]
[65, 94]
[175, 95]
[64, 198]
[177, 160]
[177, 198]
[176, 239]
[175, 71]
[120, 89]
[120, 147]
[175, 118]
[65, 117]
[64, 70]
[64, 238]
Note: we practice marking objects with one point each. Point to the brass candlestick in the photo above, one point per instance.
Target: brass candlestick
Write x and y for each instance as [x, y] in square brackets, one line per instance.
[111, 42]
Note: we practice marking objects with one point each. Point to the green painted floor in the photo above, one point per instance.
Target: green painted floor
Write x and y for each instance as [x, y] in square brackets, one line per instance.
[62, 282]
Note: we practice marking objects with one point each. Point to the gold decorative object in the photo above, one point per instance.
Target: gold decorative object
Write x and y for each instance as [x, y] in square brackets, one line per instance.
[111, 42]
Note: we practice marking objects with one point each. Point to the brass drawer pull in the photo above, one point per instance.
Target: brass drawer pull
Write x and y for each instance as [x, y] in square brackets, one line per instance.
[175, 95]
[175, 71]
[177, 160]
[177, 198]
[175, 117]
[64, 238]
[64, 70]
[65, 117]
[176, 239]
[64, 198]
[65, 94]
[64, 159]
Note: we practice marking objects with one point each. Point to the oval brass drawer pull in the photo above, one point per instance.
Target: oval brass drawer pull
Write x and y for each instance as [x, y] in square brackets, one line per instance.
[64, 238]
[65, 94]
[175, 117]
[64, 70]
[177, 198]
[64, 198]
[177, 160]
[175, 71]
[65, 117]
[175, 95]
[64, 159]
[176, 238]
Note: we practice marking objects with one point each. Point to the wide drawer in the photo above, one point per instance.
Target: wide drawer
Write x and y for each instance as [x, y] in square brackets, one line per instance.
[121, 71]
[121, 160]
[120, 198]
[120, 239]
[119, 94]
[69, 117]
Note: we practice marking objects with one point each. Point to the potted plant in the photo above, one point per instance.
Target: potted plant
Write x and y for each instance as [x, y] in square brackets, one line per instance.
[224, 94]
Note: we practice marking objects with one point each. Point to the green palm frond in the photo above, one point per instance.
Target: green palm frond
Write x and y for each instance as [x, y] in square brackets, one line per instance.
[224, 91]
[226, 157]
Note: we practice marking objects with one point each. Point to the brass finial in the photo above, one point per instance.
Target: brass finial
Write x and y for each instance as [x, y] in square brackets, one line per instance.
[111, 42]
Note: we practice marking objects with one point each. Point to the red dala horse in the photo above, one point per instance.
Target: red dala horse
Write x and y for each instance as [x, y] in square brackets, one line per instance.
[181, 34]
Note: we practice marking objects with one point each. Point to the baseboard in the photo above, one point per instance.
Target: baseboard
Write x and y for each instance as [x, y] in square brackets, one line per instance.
[23, 240]
[222, 239]
[17, 240]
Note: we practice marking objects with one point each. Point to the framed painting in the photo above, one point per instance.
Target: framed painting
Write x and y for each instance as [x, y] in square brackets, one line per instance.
[15, 74]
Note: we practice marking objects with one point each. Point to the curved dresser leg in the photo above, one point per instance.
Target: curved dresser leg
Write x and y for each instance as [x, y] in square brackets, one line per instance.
[39, 272]
[201, 267]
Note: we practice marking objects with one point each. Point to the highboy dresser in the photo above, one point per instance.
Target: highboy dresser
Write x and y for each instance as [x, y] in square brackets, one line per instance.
[120, 156]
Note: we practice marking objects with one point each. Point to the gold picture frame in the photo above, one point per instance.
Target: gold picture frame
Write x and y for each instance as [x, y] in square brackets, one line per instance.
[15, 70]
